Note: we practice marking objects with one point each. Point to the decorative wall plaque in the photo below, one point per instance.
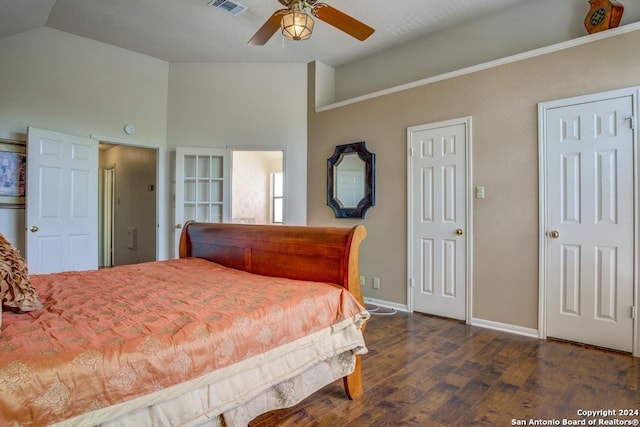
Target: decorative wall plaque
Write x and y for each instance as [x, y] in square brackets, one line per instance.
[603, 15]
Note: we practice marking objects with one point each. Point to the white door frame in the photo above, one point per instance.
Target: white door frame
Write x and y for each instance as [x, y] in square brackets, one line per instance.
[161, 238]
[106, 213]
[634, 92]
[466, 121]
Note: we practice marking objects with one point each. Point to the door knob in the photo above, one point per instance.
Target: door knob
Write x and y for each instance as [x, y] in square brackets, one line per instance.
[554, 234]
[34, 228]
[459, 232]
[178, 226]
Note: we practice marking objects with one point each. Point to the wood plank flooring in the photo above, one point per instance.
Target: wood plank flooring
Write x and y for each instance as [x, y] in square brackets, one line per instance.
[429, 371]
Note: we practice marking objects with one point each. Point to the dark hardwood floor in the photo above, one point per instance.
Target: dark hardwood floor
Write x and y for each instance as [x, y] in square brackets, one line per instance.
[429, 371]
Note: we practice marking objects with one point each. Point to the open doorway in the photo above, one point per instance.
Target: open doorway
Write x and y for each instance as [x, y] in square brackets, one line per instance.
[107, 201]
[257, 187]
[127, 205]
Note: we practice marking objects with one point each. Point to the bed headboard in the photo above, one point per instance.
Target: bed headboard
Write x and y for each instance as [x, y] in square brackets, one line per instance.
[322, 254]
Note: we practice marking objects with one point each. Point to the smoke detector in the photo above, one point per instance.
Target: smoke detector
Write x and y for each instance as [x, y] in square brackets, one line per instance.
[232, 7]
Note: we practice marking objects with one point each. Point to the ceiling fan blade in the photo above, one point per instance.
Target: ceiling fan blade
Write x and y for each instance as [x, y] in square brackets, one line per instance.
[268, 29]
[342, 21]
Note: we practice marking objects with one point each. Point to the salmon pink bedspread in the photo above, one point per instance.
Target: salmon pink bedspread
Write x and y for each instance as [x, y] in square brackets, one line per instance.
[109, 336]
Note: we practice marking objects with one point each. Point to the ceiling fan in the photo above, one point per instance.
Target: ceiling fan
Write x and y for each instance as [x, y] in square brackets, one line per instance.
[296, 24]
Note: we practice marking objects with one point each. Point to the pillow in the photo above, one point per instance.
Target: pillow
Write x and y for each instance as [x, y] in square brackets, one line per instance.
[16, 291]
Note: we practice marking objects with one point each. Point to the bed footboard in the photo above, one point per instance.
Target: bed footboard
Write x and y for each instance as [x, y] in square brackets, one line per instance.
[321, 254]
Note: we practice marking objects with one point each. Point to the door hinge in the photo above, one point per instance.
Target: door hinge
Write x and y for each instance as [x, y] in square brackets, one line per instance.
[633, 312]
[411, 150]
[411, 282]
[632, 122]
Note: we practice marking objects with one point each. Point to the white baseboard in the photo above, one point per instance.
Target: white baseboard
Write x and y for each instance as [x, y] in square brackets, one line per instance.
[504, 327]
[387, 304]
[481, 323]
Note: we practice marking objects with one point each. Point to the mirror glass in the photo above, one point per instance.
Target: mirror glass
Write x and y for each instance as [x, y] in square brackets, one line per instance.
[348, 182]
[351, 180]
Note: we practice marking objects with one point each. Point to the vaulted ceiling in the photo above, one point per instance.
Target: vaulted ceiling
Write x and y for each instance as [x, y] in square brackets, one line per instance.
[193, 31]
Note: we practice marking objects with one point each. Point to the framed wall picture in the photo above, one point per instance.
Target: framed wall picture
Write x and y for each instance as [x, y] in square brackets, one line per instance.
[13, 173]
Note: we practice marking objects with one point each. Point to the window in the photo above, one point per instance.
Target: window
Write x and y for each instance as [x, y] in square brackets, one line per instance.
[277, 198]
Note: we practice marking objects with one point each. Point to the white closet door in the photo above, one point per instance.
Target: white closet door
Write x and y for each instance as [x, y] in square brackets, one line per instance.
[590, 222]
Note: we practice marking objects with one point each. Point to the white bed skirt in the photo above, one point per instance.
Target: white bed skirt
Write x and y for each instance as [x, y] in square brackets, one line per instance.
[277, 379]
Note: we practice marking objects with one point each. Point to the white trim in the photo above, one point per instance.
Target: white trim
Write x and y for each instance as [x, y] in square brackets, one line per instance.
[123, 141]
[505, 327]
[467, 122]
[634, 92]
[234, 147]
[481, 323]
[387, 304]
[409, 283]
[636, 221]
[469, 219]
[542, 223]
[491, 64]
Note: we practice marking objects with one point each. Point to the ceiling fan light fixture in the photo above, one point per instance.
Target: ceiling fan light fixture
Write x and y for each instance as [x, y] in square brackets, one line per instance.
[296, 25]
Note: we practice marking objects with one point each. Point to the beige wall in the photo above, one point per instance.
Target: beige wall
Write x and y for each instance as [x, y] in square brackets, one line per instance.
[503, 104]
[521, 27]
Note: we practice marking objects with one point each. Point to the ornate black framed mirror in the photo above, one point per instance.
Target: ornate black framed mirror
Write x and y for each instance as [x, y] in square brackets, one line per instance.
[351, 180]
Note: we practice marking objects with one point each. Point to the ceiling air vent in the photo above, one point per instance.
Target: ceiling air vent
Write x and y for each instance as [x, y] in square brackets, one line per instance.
[232, 7]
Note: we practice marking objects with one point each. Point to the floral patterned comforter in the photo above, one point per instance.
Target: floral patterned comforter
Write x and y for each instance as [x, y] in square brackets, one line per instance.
[108, 336]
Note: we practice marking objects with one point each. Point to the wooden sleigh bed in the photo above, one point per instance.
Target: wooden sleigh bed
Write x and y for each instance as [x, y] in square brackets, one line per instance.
[250, 319]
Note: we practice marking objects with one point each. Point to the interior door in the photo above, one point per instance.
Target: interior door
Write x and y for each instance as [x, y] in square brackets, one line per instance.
[202, 187]
[62, 202]
[437, 218]
[590, 222]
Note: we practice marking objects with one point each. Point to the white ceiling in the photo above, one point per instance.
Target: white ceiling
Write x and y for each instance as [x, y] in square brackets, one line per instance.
[192, 31]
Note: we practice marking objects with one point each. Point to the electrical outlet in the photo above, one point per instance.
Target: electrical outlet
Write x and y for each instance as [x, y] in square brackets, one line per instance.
[376, 283]
[363, 281]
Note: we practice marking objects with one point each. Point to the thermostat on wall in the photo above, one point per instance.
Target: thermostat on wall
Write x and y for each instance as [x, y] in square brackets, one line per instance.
[129, 129]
